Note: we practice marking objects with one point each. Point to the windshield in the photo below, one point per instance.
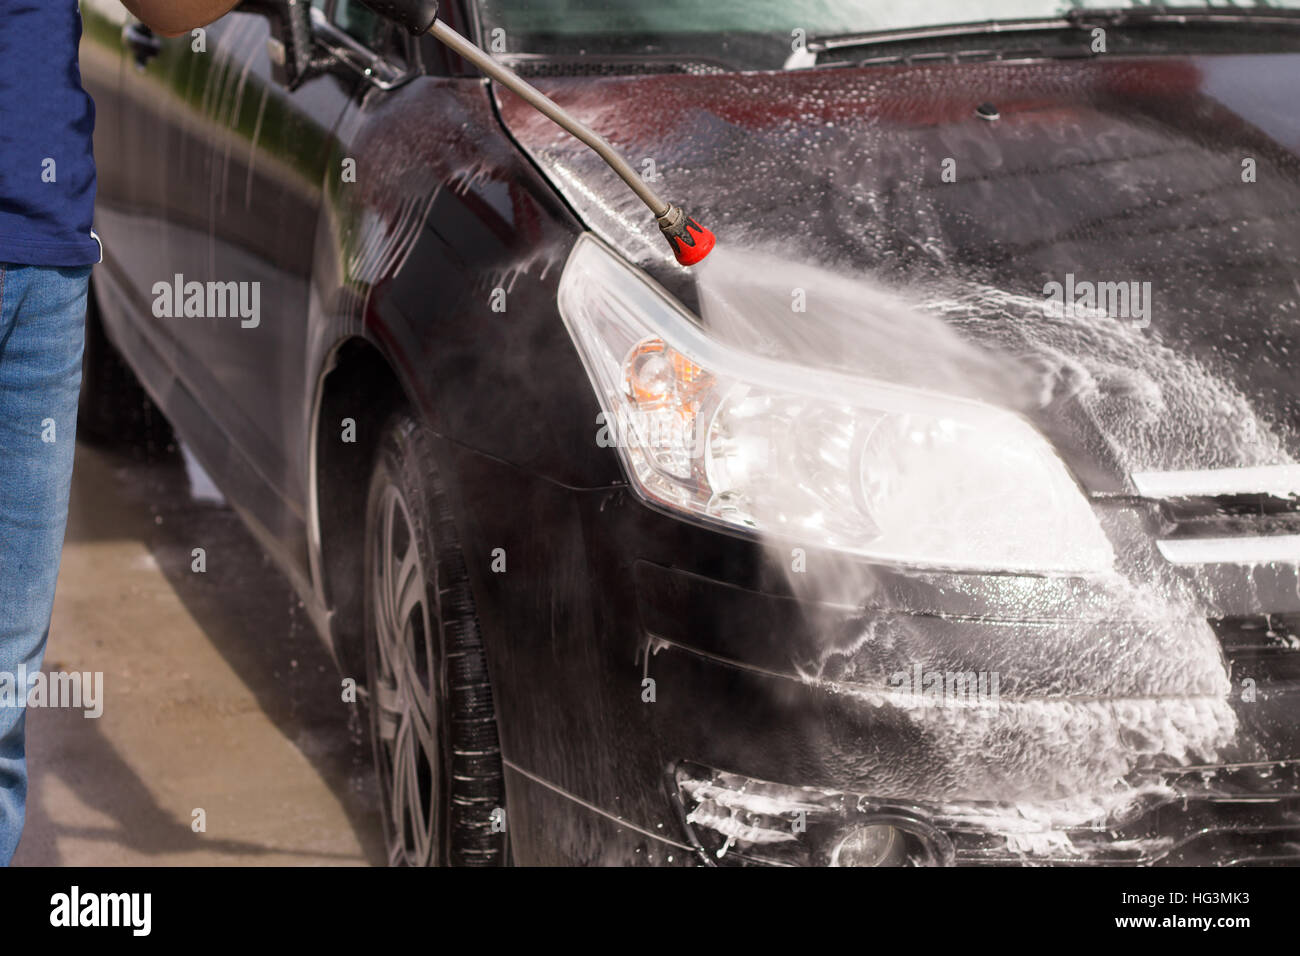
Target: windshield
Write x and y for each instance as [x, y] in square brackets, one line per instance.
[756, 31]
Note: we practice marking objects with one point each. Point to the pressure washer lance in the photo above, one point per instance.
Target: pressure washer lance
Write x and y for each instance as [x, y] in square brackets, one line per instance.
[690, 241]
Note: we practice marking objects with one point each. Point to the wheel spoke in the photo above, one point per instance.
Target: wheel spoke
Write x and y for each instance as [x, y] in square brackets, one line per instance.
[408, 590]
[419, 713]
[388, 707]
[405, 812]
[415, 804]
[389, 628]
[405, 721]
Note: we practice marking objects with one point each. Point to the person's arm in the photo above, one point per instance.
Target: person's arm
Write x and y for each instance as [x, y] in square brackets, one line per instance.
[173, 17]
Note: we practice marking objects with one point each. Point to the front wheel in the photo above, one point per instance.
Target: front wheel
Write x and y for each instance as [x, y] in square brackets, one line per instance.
[432, 719]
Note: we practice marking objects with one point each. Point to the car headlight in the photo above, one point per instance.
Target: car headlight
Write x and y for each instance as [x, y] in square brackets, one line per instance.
[819, 458]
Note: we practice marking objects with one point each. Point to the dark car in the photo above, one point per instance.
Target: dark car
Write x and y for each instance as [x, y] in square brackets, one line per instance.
[949, 513]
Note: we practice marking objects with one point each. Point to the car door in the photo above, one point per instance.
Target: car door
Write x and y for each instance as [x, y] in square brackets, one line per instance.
[256, 154]
[132, 74]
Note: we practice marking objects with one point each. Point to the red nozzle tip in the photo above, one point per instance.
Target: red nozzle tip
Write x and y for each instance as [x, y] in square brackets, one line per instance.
[689, 255]
[691, 242]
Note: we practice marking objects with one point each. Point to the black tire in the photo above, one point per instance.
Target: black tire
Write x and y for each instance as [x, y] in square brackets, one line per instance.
[451, 797]
[114, 409]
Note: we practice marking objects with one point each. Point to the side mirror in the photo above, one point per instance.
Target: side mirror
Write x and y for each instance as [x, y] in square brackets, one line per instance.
[291, 46]
[416, 16]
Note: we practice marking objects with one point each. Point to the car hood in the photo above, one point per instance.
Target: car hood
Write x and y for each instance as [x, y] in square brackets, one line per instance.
[1177, 172]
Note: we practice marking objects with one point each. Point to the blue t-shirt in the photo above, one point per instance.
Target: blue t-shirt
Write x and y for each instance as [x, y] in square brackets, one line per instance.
[47, 164]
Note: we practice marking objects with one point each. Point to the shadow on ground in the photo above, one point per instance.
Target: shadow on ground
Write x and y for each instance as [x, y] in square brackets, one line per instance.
[218, 695]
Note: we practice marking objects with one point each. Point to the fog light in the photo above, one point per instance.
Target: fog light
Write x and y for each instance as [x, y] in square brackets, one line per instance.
[876, 845]
[733, 820]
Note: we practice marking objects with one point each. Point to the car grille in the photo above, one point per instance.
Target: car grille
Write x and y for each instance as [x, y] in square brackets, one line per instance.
[1264, 649]
[1227, 515]
[1225, 814]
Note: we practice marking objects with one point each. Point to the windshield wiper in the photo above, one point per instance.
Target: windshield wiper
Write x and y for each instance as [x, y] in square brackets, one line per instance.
[1077, 19]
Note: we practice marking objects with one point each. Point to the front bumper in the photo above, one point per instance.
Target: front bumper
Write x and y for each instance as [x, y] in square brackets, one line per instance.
[1227, 815]
[1156, 741]
[1127, 729]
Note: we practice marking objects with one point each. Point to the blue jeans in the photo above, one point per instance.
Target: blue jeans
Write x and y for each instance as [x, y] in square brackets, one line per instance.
[42, 331]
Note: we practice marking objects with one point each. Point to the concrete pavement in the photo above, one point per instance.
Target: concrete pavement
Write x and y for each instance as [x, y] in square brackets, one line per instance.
[217, 693]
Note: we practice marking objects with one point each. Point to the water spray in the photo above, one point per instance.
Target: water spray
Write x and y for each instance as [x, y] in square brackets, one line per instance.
[690, 241]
